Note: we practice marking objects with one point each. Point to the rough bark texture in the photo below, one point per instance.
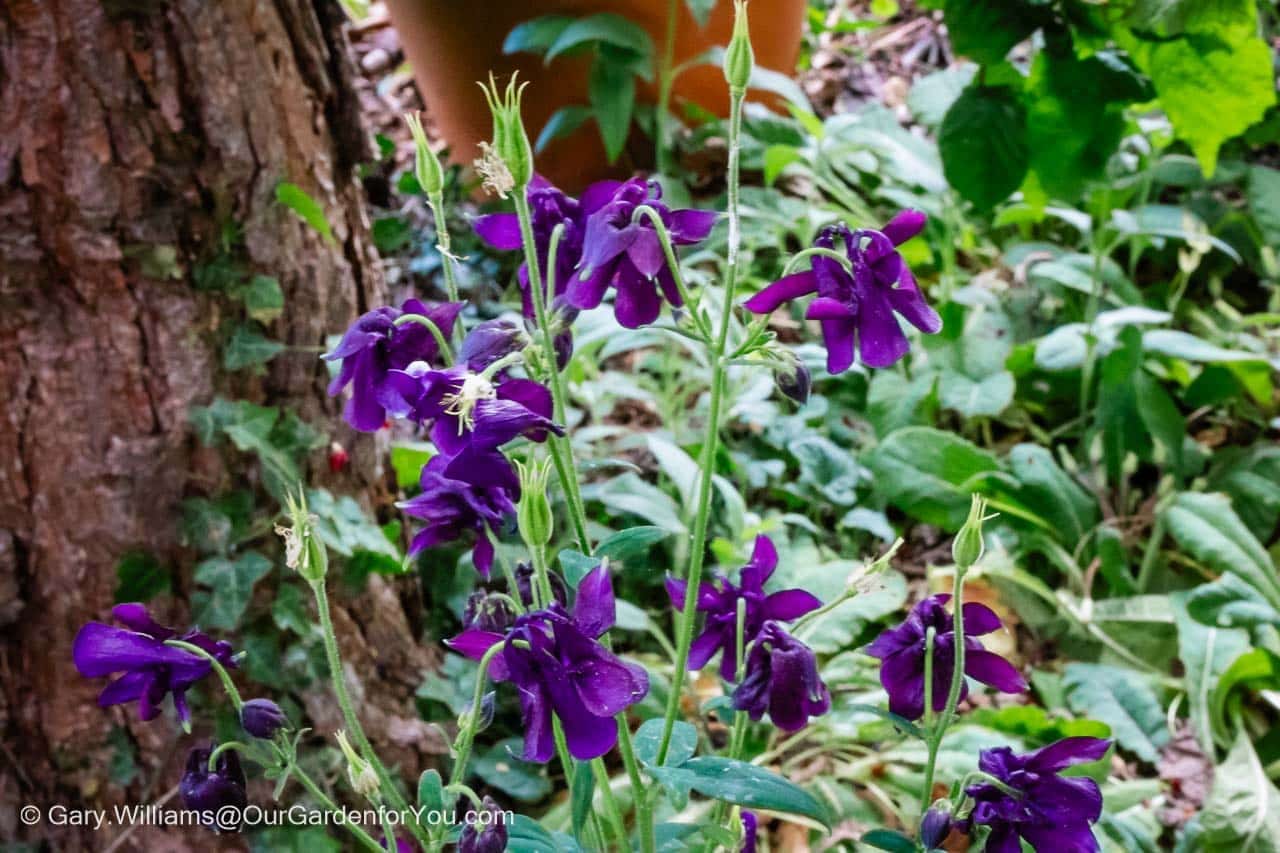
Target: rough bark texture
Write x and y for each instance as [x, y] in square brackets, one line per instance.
[134, 131]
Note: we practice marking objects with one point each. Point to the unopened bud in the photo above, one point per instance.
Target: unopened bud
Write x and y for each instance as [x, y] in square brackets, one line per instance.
[967, 547]
[533, 512]
[426, 165]
[739, 59]
[794, 381]
[360, 773]
[936, 825]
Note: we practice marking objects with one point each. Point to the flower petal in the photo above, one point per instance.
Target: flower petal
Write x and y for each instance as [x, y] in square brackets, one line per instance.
[904, 226]
[594, 609]
[908, 301]
[499, 230]
[782, 290]
[1066, 752]
[690, 226]
[839, 337]
[790, 604]
[990, 668]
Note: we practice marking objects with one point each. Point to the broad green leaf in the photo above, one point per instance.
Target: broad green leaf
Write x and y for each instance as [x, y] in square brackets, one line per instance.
[1052, 494]
[742, 784]
[526, 835]
[308, 209]
[563, 122]
[1034, 725]
[684, 742]
[1263, 194]
[408, 459]
[1213, 83]
[1179, 344]
[140, 577]
[933, 94]
[828, 468]
[1231, 602]
[612, 90]
[1206, 653]
[1208, 528]
[502, 767]
[986, 30]
[632, 495]
[263, 299]
[930, 474]
[248, 348]
[536, 35]
[230, 586]
[678, 465]
[603, 27]
[983, 143]
[631, 542]
[777, 158]
[1122, 701]
[1242, 812]
[885, 839]
[1161, 417]
[1256, 669]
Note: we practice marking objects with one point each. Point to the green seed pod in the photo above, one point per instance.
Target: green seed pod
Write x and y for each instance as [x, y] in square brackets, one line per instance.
[426, 166]
[739, 58]
[533, 513]
[303, 550]
[514, 147]
[967, 547]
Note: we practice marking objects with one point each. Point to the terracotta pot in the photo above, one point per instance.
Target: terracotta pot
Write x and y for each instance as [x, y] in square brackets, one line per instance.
[452, 44]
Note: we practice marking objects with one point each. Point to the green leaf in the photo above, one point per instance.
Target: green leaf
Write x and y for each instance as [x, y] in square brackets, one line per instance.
[1052, 494]
[986, 30]
[140, 577]
[632, 542]
[1242, 812]
[841, 626]
[1122, 701]
[684, 742]
[408, 459]
[248, 348]
[885, 839]
[391, 234]
[289, 611]
[603, 27]
[1206, 653]
[742, 784]
[536, 35]
[777, 158]
[701, 10]
[983, 143]
[263, 299]
[308, 209]
[1161, 417]
[502, 768]
[431, 790]
[343, 525]
[1256, 669]
[1208, 528]
[933, 94]
[1231, 602]
[827, 467]
[1034, 725]
[563, 122]
[612, 91]
[1263, 194]
[1215, 81]
[581, 793]
[230, 586]
[930, 474]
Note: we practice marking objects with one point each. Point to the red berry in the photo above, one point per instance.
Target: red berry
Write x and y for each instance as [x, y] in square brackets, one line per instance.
[338, 458]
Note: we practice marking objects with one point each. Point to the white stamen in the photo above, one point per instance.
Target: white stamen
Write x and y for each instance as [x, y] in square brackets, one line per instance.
[462, 405]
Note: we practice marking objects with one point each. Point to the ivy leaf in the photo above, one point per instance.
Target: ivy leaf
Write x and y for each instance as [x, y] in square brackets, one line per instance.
[247, 347]
[230, 583]
[140, 577]
[983, 143]
[263, 299]
[1122, 701]
[1214, 81]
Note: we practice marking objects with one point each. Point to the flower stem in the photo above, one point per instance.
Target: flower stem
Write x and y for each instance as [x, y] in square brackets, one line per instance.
[467, 735]
[644, 809]
[939, 730]
[559, 446]
[442, 340]
[709, 445]
[227, 684]
[331, 807]
[436, 202]
[349, 712]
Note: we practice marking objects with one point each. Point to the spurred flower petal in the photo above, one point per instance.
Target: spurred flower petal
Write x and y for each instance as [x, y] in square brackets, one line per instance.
[782, 290]
[594, 609]
[790, 604]
[904, 226]
[691, 226]
[499, 230]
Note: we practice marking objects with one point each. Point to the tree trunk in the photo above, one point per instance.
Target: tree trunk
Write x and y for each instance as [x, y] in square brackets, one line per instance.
[135, 133]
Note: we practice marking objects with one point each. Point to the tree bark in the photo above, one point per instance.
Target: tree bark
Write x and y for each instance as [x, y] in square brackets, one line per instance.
[136, 132]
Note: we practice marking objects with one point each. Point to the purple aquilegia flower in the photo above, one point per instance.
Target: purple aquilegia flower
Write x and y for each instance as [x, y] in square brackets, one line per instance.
[151, 668]
[902, 652]
[620, 252]
[720, 602]
[555, 661]
[782, 678]
[487, 833]
[490, 341]
[210, 791]
[935, 826]
[487, 612]
[262, 718]
[750, 828]
[452, 506]
[1049, 812]
[524, 585]
[373, 347]
[857, 307]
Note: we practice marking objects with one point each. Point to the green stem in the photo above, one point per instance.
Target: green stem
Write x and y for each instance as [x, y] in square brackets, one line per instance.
[559, 446]
[644, 211]
[666, 80]
[331, 807]
[709, 445]
[644, 809]
[939, 731]
[442, 340]
[227, 684]
[436, 201]
[223, 747]
[467, 736]
[356, 731]
[611, 808]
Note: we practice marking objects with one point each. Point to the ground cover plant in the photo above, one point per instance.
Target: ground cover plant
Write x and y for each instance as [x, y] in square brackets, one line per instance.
[882, 493]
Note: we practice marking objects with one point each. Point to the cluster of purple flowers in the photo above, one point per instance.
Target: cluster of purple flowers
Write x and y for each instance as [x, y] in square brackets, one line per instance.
[150, 668]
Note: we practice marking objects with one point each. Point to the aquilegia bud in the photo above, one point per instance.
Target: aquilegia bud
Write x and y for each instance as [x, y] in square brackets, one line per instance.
[218, 794]
[533, 512]
[487, 833]
[360, 773]
[967, 547]
[935, 826]
[739, 59]
[426, 165]
[262, 718]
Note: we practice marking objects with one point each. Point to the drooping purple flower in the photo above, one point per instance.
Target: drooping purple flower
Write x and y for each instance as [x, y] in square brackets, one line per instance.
[373, 347]
[782, 679]
[555, 661]
[490, 341]
[262, 718]
[150, 668]
[750, 827]
[524, 585]
[210, 791]
[487, 833]
[857, 307]
[626, 254]
[452, 506]
[1048, 811]
[719, 601]
[486, 612]
[902, 652]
